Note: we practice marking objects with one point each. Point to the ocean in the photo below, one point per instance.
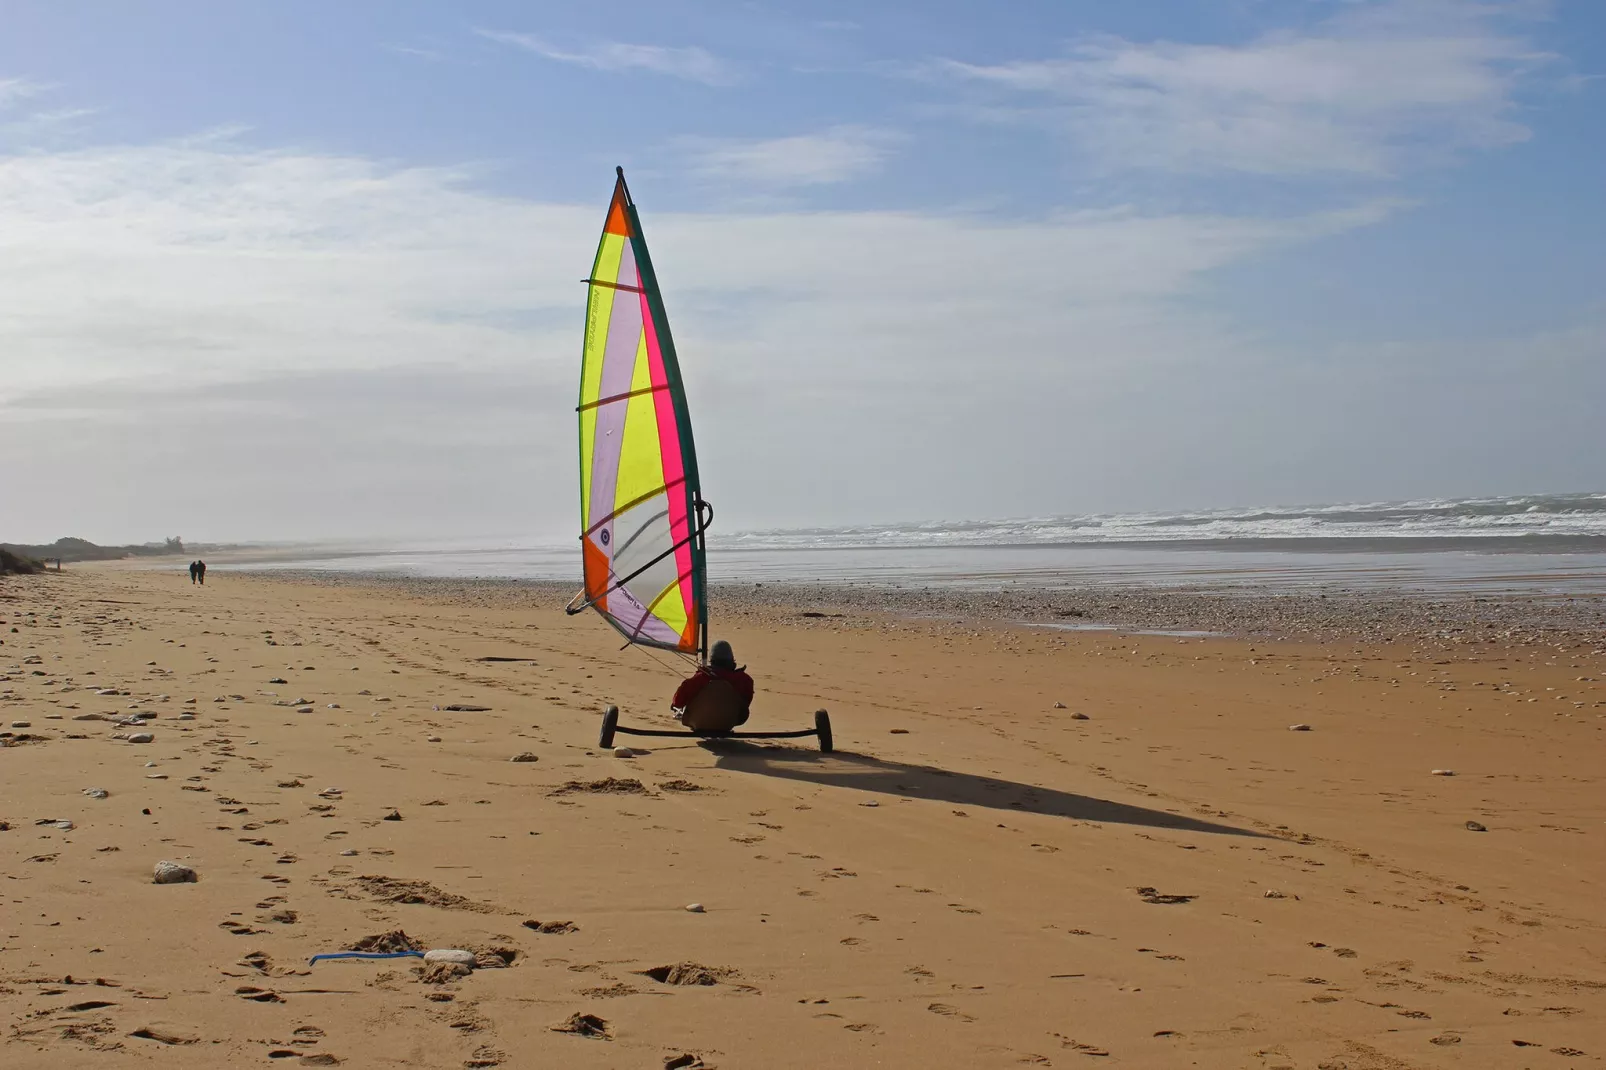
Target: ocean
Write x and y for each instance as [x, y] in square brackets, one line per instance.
[1551, 544]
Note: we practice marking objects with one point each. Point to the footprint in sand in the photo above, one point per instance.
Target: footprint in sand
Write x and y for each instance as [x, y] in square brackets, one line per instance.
[148, 1033]
[949, 1011]
[258, 995]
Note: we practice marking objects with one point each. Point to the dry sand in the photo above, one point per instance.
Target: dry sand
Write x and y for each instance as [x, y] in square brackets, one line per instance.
[977, 879]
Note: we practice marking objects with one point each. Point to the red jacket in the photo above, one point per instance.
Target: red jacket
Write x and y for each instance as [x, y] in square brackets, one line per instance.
[689, 687]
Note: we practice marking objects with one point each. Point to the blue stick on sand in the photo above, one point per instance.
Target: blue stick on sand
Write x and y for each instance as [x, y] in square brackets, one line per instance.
[366, 955]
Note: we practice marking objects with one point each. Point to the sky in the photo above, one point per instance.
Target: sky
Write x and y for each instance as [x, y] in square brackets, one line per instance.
[311, 271]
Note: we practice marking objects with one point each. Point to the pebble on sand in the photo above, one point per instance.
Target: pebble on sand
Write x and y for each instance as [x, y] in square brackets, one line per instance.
[21, 724]
[1079, 717]
[394, 815]
[97, 793]
[448, 954]
[1477, 826]
[1444, 772]
[695, 908]
[173, 873]
[141, 737]
[623, 752]
[433, 739]
[525, 756]
[1299, 728]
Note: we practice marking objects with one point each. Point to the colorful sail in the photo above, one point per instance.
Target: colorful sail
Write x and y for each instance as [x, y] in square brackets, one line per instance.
[641, 509]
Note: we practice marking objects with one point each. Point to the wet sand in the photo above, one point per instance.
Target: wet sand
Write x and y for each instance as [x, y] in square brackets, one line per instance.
[979, 877]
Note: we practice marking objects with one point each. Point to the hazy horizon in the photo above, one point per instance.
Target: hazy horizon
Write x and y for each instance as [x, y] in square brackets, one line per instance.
[1567, 505]
[310, 273]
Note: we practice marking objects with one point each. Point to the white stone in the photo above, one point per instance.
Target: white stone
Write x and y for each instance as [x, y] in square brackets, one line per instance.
[623, 752]
[97, 793]
[449, 954]
[173, 873]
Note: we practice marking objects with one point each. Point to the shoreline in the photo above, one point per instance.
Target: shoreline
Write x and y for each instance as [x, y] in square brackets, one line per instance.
[1368, 616]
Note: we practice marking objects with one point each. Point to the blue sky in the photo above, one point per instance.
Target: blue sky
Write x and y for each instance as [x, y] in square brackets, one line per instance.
[924, 260]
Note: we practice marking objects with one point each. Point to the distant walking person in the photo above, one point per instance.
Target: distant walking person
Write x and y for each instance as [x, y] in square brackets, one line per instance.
[194, 571]
[200, 572]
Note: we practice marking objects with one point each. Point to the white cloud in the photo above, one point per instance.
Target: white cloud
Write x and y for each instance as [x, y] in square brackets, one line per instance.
[428, 55]
[14, 90]
[1378, 87]
[837, 154]
[691, 63]
[289, 327]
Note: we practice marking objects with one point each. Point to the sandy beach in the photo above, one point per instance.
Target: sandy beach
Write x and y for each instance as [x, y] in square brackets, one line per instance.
[1033, 846]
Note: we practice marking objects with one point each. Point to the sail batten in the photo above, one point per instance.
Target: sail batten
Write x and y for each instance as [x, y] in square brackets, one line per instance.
[640, 502]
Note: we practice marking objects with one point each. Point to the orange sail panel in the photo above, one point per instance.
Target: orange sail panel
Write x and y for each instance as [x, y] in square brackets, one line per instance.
[639, 493]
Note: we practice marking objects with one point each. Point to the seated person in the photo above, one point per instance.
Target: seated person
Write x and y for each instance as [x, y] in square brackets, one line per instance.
[716, 698]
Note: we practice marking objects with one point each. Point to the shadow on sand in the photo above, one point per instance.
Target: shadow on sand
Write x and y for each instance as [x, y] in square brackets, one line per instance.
[847, 770]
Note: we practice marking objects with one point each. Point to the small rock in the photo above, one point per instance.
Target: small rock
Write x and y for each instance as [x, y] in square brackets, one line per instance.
[1272, 893]
[446, 954]
[394, 815]
[97, 793]
[524, 757]
[872, 802]
[278, 680]
[349, 852]
[303, 709]
[695, 908]
[334, 705]
[173, 873]
[1477, 826]
[1444, 772]
[21, 724]
[1299, 728]
[623, 752]
[141, 737]
[1079, 717]
[1059, 705]
[433, 739]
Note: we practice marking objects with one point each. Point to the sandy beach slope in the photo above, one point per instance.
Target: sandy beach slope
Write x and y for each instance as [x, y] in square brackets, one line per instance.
[979, 878]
